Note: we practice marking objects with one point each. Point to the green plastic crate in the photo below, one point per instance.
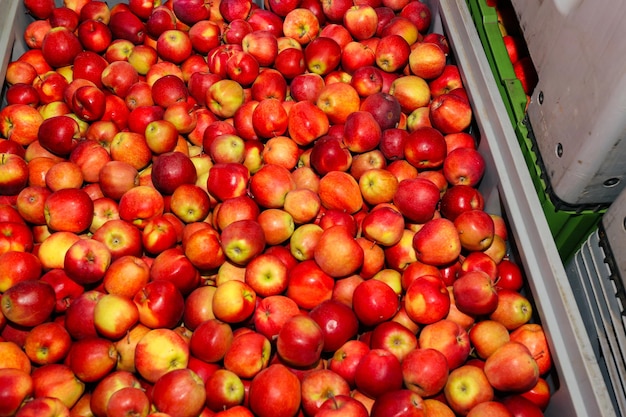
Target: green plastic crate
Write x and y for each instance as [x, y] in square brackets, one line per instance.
[570, 226]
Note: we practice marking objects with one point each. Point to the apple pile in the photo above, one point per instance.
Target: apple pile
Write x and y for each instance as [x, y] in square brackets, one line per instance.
[211, 208]
[517, 53]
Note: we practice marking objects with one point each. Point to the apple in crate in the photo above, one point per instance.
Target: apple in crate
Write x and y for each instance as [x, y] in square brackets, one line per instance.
[44, 407]
[394, 337]
[378, 372]
[224, 390]
[402, 401]
[15, 386]
[475, 293]
[449, 338]
[425, 371]
[374, 301]
[275, 391]
[342, 405]
[427, 300]
[466, 387]
[248, 354]
[28, 303]
[181, 391]
[128, 400]
[150, 363]
[337, 321]
[319, 385]
[300, 341]
[512, 368]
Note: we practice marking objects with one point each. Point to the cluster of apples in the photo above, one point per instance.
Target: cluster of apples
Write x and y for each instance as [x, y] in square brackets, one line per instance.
[211, 208]
[517, 53]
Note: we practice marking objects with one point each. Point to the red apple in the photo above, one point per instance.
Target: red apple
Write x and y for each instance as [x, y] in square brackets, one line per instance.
[47, 343]
[437, 242]
[450, 79]
[417, 199]
[128, 26]
[275, 391]
[104, 390]
[234, 301]
[479, 261]
[114, 315]
[448, 338]
[466, 387]
[525, 71]
[59, 134]
[425, 148]
[181, 391]
[460, 198]
[322, 55]
[128, 400]
[487, 336]
[87, 261]
[16, 386]
[60, 46]
[427, 300]
[370, 309]
[361, 20]
[172, 169]
[337, 321]
[307, 86]
[225, 390]
[272, 313]
[425, 371]
[509, 275]
[342, 405]
[28, 303]
[401, 401]
[91, 359]
[248, 355]
[394, 337]
[392, 52]
[378, 372]
[299, 23]
[160, 351]
[160, 304]
[210, 340]
[533, 337]
[79, 315]
[300, 341]
[511, 368]
[224, 97]
[450, 113]
[520, 406]
[309, 285]
[319, 385]
[475, 293]
[513, 310]
[427, 60]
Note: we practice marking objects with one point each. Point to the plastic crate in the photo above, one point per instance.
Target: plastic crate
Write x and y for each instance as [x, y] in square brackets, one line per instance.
[576, 108]
[597, 274]
[569, 225]
[579, 388]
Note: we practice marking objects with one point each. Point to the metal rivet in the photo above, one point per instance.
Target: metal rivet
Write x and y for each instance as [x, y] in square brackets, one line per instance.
[559, 149]
[611, 182]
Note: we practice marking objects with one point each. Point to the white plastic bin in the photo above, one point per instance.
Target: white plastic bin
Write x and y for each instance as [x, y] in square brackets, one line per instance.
[597, 274]
[577, 109]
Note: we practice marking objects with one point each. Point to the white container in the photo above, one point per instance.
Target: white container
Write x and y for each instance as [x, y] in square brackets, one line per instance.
[579, 386]
[577, 108]
[597, 273]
